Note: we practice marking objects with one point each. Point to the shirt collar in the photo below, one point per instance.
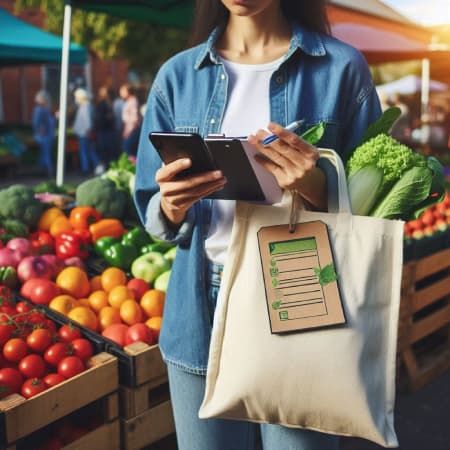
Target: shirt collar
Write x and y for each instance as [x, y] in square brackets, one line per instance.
[307, 41]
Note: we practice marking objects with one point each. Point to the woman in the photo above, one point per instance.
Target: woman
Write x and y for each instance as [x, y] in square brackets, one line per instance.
[131, 119]
[83, 127]
[263, 62]
[43, 122]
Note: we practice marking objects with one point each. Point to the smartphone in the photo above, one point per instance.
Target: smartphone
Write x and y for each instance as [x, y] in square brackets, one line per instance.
[172, 146]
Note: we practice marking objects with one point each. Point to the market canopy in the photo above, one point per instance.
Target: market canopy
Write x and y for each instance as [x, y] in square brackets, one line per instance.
[410, 84]
[176, 13]
[22, 43]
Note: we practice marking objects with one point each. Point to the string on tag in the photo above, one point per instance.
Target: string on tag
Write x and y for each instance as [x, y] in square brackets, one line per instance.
[294, 209]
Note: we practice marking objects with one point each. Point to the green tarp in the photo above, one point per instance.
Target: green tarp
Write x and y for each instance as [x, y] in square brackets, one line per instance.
[175, 13]
[22, 43]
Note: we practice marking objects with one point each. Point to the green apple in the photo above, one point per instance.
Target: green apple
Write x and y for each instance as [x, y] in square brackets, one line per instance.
[170, 254]
[162, 281]
[149, 265]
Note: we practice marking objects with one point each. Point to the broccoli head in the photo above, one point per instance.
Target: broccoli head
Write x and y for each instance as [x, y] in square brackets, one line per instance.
[101, 194]
[18, 202]
[387, 154]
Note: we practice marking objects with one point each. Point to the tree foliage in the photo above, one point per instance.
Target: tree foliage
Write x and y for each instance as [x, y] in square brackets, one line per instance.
[142, 44]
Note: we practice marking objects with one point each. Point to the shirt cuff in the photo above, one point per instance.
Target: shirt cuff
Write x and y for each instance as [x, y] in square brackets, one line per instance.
[156, 223]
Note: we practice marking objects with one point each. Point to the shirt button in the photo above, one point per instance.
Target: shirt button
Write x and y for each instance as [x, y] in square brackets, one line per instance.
[222, 77]
[213, 121]
[279, 79]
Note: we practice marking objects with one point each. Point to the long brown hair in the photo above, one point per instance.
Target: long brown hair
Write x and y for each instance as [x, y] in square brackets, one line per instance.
[212, 13]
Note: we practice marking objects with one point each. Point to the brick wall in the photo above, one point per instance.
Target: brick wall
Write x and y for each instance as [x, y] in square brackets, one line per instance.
[20, 84]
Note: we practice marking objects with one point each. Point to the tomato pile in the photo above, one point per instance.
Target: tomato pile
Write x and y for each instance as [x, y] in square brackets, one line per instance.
[34, 353]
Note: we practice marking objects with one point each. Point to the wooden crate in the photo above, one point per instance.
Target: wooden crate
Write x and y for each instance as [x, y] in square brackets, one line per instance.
[106, 436]
[424, 321]
[145, 413]
[139, 363]
[152, 425]
[20, 417]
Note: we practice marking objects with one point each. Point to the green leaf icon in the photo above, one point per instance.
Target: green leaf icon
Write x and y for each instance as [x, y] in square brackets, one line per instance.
[326, 275]
[276, 305]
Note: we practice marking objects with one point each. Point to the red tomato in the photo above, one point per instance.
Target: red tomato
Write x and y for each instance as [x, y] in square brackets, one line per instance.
[68, 333]
[51, 326]
[5, 296]
[7, 309]
[6, 329]
[56, 352]
[39, 340]
[15, 349]
[116, 332]
[82, 348]
[52, 379]
[40, 290]
[32, 366]
[70, 366]
[36, 319]
[10, 381]
[32, 387]
[139, 332]
[23, 307]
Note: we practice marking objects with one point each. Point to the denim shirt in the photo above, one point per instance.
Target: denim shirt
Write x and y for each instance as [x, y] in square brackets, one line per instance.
[320, 79]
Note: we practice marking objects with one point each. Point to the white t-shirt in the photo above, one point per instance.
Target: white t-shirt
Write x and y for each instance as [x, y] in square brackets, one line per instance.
[247, 110]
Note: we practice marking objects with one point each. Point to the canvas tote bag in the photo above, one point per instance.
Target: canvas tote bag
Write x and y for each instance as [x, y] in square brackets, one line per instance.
[338, 380]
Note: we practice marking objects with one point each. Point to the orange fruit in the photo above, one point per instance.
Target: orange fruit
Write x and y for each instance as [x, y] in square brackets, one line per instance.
[74, 281]
[118, 294]
[107, 316]
[63, 303]
[47, 218]
[84, 316]
[130, 312]
[152, 302]
[111, 277]
[83, 302]
[96, 283]
[97, 300]
[154, 323]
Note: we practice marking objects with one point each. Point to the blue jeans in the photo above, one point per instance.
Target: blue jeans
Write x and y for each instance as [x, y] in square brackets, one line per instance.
[87, 153]
[187, 391]
[45, 152]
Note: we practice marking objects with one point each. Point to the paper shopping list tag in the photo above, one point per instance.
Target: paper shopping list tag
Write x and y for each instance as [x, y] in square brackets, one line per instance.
[300, 278]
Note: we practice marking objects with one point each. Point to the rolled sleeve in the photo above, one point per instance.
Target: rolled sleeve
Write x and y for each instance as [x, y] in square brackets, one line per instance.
[156, 223]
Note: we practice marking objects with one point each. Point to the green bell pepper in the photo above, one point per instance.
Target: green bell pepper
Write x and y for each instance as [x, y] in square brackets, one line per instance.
[137, 237]
[102, 244]
[160, 247]
[121, 255]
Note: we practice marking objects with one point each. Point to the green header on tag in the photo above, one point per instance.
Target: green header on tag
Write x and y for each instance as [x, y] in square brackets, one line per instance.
[295, 245]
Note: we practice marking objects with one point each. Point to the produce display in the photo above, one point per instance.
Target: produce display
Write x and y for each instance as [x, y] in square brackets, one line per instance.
[37, 353]
[90, 265]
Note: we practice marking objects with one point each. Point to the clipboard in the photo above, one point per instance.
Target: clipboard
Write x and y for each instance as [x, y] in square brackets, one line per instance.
[246, 179]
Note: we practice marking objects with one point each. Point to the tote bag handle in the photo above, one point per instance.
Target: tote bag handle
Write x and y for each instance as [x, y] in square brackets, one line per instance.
[336, 178]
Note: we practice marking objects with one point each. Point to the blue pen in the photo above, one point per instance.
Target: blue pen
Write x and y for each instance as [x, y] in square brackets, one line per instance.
[291, 127]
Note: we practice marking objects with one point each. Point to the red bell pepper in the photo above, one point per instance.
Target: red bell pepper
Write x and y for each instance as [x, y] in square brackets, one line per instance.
[69, 244]
[42, 242]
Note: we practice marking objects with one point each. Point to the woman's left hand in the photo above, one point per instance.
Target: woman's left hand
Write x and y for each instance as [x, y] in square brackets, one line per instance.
[292, 161]
[289, 157]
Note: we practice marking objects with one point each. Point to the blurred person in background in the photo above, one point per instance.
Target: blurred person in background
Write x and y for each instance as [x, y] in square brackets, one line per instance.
[43, 123]
[104, 125]
[401, 130]
[131, 119]
[118, 103]
[83, 128]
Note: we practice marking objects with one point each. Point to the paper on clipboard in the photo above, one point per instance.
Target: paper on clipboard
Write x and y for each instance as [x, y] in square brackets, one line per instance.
[267, 181]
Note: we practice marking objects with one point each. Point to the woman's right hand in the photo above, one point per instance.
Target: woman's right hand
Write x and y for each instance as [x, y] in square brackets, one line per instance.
[179, 194]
